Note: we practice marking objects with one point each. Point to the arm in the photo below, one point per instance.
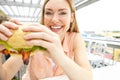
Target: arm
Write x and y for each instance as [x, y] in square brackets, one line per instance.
[2, 72]
[80, 69]
[10, 67]
[81, 58]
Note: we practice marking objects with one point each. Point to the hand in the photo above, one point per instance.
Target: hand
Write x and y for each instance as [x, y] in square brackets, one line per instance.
[42, 36]
[5, 33]
[5, 26]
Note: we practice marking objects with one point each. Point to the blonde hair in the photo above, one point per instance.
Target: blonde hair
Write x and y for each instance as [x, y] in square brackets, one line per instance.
[73, 25]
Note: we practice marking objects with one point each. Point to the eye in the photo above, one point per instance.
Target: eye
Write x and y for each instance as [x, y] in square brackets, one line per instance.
[62, 13]
[48, 13]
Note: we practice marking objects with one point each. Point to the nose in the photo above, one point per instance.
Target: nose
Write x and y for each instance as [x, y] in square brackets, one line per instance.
[55, 18]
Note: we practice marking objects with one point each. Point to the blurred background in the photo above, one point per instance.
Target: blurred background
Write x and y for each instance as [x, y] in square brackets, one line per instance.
[98, 22]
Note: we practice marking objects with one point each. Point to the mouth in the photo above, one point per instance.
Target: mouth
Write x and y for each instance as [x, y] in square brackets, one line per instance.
[55, 28]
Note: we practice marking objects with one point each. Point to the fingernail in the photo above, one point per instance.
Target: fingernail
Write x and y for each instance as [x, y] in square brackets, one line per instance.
[9, 33]
[4, 38]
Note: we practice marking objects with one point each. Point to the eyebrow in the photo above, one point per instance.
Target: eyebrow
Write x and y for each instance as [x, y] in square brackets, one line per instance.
[58, 10]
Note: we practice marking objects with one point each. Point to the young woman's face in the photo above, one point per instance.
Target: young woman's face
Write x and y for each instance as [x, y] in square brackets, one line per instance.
[58, 16]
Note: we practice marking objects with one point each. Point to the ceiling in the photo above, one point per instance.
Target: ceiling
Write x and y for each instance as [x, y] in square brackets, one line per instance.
[29, 10]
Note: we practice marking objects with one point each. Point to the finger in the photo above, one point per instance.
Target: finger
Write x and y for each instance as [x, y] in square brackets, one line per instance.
[3, 37]
[39, 35]
[15, 21]
[10, 25]
[42, 43]
[5, 31]
[38, 28]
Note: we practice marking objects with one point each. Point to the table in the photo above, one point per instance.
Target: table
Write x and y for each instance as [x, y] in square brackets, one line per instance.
[107, 73]
[111, 72]
[63, 77]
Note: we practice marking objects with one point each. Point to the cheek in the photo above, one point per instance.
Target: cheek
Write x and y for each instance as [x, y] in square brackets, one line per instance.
[67, 22]
[46, 20]
[67, 25]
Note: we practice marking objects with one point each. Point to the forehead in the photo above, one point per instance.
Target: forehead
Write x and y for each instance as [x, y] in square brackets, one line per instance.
[57, 4]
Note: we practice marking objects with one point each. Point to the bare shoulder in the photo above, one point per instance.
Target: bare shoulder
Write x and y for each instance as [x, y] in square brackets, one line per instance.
[78, 41]
[81, 57]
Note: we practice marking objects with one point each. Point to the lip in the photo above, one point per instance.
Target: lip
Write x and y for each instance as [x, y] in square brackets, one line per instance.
[56, 28]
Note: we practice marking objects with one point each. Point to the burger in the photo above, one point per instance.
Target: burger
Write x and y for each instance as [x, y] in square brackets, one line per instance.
[16, 45]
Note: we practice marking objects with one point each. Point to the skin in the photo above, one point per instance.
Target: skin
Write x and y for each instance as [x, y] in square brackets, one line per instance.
[59, 18]
[8, 69]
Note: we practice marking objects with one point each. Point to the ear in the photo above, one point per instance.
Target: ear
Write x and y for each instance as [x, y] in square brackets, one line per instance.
[72, 17]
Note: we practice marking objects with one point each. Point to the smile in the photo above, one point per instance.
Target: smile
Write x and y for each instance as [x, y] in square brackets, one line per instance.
[55, 28]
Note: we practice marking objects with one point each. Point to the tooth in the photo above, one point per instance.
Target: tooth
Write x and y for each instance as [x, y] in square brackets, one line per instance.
[55, 26]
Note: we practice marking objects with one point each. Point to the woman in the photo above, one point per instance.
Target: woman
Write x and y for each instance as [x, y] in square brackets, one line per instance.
[59, 34]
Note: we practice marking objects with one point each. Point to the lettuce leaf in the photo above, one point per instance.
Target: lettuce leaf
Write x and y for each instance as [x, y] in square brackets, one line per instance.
[24, 49]
[5, 44]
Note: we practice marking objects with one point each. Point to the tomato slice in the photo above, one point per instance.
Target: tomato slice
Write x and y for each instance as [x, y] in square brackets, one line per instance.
[25, 57]
[25, 54]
